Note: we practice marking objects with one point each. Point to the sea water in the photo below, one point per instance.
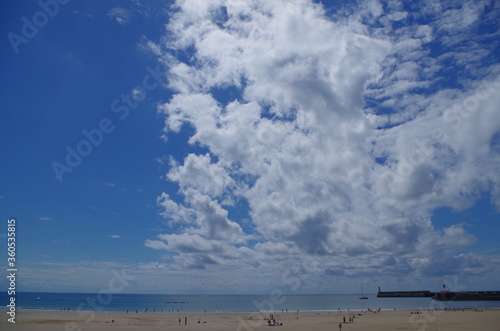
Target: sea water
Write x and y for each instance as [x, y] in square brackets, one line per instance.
[273, 302]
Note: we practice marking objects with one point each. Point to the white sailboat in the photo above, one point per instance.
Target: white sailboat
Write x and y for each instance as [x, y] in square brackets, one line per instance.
[362, 297]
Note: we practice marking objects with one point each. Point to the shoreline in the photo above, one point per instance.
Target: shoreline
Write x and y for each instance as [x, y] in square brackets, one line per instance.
[468, 319]
[292, 311]
[347, 311]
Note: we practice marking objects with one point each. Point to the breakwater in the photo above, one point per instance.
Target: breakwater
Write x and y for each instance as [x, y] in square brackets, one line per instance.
[443, 295]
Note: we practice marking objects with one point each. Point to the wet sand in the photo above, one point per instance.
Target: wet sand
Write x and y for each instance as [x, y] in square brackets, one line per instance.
[488, 320]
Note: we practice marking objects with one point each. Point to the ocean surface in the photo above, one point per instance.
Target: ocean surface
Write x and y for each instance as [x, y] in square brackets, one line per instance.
[159, 303]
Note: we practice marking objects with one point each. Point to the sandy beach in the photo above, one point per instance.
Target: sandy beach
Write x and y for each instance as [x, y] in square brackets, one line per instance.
[488, 319]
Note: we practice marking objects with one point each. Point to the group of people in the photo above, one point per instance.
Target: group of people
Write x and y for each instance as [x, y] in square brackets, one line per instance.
[351, 318]
[271, 321]
[154, 310]
[274, 323]
[186, 321]
[375, 310]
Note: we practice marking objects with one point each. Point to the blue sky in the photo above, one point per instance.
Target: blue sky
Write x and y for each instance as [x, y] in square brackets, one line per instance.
[228, 147]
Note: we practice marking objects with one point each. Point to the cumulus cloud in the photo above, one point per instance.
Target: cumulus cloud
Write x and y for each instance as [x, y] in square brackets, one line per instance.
[337, 132]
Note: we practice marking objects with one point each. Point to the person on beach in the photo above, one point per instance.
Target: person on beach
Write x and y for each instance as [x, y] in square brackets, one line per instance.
[340, 326]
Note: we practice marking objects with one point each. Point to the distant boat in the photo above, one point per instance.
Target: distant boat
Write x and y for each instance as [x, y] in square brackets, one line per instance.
[38, 299]
[362, 297]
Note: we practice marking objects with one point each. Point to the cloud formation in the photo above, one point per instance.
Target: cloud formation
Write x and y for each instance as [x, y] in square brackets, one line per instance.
[339, 133]
[121, 15]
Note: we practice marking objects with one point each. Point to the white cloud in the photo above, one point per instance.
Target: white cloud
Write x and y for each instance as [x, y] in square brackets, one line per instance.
[138, 94]
[149, 46]
[83, 13]
[121, 15]
[199, 173]
[173, 211]
[325, 172]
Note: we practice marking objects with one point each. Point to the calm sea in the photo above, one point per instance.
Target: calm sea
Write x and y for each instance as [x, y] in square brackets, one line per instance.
[225, 303]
